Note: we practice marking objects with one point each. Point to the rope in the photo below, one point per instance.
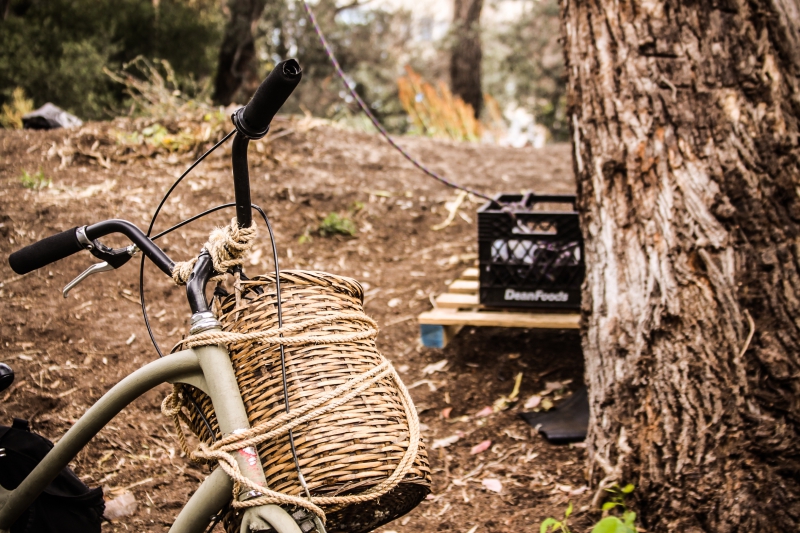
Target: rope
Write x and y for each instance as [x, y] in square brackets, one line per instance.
[222, 450]
[378, 126]
[226, 246]
[275, 336]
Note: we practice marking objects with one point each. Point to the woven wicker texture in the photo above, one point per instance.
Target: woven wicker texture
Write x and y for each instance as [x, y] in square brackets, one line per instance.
[353, 447]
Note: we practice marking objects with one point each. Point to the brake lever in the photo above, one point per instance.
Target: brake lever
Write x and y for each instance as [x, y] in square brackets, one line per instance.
[113, 258]
[94, 269]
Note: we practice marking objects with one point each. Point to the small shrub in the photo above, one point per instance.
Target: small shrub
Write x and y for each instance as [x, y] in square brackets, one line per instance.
[36, 181]
[11, 117]
[613, 524]
[436, 112]
[551, 525]
[336, 224]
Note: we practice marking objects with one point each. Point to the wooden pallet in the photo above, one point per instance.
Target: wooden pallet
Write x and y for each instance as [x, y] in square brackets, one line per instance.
[459, 307]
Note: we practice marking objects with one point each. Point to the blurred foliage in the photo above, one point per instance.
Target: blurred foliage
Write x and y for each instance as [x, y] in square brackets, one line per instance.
[169, 120]
[12, 112]
[36, 181]
[434, 111]
[368, 42]
[56, 50]
[524, 65]
[100, 58]
[336, 224]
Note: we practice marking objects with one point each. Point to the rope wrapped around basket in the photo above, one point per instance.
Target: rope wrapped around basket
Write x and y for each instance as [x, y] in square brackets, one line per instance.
[296, 335]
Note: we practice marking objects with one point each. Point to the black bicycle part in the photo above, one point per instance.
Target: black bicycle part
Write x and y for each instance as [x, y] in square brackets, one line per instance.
[6, 376]
[150, 250]
[116, 257]
[202, 271]
[46, 251]
[241, 180]
[254, 119]
[66, 243]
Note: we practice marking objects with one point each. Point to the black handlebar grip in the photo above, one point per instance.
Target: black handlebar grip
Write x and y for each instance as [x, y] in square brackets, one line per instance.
[270, 96]
[42, 253]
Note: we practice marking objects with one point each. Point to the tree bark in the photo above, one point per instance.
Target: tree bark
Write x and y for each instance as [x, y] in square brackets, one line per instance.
[466, 54]
[238, 51]
[684, 117]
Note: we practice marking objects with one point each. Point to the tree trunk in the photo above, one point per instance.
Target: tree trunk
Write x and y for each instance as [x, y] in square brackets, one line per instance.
[238, 51]
[684, 117]
[466, 55]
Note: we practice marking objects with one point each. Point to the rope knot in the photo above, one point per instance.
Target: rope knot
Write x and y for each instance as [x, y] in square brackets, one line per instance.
[227, 247]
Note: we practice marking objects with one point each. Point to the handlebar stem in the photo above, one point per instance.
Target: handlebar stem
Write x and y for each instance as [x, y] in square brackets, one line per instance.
[241, 180]
[196, 284]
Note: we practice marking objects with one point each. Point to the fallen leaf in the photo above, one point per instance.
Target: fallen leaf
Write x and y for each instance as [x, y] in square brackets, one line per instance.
[547, 404]
[431, 385]
[579, 490]
[445, 442]
[394, 302]
[493, 485]
[551, 386]
[121, 506]
[564, 488]
[486, 411]
[533, 402]
[479, 448]
[446, 412]
[504, 402]
[513, 356]
[434, 367]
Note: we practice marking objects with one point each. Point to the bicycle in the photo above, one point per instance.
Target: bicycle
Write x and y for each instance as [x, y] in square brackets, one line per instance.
[206, 366]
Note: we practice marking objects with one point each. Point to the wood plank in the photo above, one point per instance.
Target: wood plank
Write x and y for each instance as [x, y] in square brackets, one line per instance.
[449, 300]
[463, 286]
[470, 274]
[446, 317]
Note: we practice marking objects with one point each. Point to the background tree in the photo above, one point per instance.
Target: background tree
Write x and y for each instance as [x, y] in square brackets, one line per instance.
[685, 121]
[523, 65]
[466, 55]
[237, 54]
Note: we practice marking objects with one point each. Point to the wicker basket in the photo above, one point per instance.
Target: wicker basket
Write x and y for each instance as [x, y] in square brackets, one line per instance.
[350, 449]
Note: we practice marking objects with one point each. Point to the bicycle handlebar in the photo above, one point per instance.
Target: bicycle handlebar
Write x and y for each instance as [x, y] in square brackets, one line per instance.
[62, 245]
[255, 118]
[48, 250]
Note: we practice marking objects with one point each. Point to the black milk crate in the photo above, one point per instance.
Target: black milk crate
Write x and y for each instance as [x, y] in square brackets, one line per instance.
[533, 258]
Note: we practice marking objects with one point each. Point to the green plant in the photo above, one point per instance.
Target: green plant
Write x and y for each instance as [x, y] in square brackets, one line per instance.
[335, 223]
[613, 524]
[11, 117]
[36, 182]
[552, 525]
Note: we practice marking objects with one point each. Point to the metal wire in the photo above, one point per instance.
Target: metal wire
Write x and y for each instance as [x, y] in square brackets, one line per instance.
[150, 230]
[378, 126]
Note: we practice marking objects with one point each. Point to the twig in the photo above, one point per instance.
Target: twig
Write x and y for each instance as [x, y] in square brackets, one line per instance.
[400, 320]
[11, 280]
[452, 211]
[750, 335]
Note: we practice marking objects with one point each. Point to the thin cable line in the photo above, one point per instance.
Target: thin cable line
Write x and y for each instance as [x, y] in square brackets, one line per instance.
[150, 230]
[371, 116]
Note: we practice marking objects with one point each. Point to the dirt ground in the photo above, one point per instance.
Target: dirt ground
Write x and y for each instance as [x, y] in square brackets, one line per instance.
[68, 352]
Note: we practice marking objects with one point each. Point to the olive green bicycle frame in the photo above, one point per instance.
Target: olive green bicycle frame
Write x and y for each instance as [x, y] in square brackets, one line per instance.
[209, 369]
